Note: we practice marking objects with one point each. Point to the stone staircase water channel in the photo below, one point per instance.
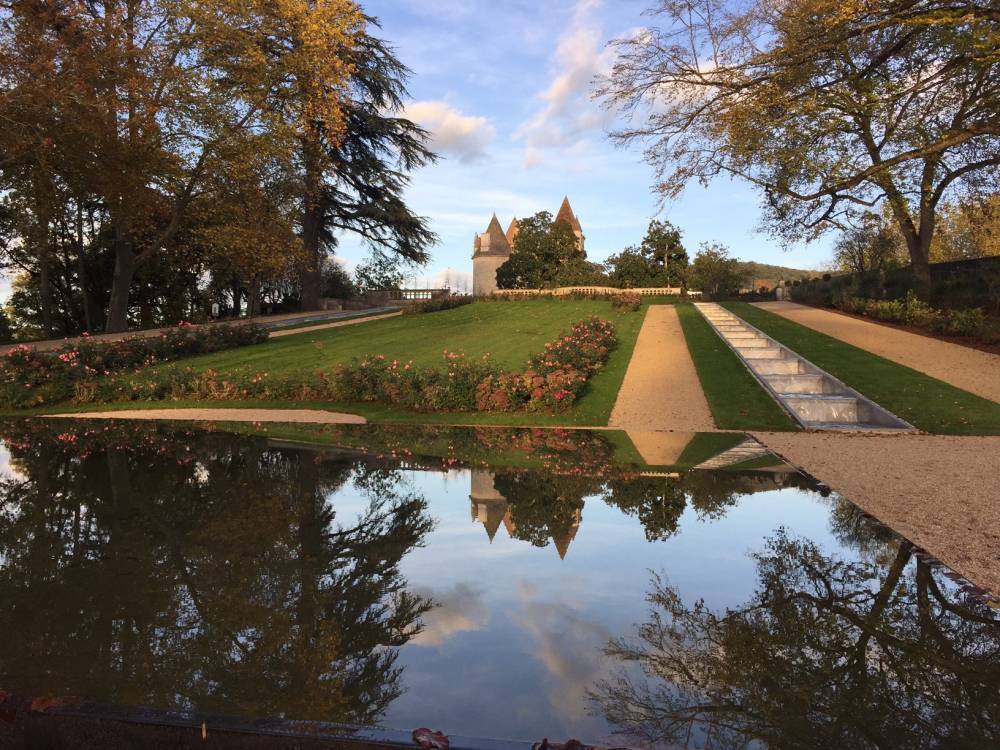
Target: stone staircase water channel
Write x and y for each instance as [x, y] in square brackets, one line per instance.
[813, 397]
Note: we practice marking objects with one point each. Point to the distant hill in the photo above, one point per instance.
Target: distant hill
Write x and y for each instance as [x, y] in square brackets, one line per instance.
[767, 271]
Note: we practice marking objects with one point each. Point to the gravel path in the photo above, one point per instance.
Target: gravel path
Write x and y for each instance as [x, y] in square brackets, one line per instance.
[940, 492]
[661, 390]
[322, 326]
[963, 367]
[268, 321]
[311, 416]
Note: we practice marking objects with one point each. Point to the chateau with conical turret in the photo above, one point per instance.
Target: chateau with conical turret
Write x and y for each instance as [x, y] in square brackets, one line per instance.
[492, 248]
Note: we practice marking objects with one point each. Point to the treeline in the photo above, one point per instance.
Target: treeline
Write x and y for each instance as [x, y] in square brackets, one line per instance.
[547, 255]
[158, 157]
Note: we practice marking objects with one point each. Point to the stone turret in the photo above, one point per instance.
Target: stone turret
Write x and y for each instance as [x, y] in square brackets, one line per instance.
[489, 251]
[492, 248]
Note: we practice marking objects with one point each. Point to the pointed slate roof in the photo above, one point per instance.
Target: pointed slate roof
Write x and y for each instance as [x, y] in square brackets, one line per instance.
[496, 243]
[566, 214]
[512, 231]
[494, 231]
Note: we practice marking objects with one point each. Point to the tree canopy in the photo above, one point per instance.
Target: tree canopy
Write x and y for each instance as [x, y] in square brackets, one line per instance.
[831, 109]
[149, 145]
[659, 261]
[545, 251]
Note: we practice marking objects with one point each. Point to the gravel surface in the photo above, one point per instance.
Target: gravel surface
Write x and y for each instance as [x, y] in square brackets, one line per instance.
[970, 369]
[940, 492]
[661, 390]
[312, 416]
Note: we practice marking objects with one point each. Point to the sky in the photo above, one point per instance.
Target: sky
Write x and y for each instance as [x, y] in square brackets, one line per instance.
[505, 89]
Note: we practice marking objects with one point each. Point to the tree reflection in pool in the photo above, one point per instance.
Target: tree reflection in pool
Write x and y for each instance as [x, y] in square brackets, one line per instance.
[175, 567]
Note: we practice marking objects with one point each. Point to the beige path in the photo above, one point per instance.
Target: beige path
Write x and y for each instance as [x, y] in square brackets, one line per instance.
[310, 416]
[321, 326]
[661, 390]
[969, 369]
[271, 321]
[939, 492]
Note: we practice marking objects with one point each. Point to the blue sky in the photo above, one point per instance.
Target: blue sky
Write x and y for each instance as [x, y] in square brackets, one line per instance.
[505, 88]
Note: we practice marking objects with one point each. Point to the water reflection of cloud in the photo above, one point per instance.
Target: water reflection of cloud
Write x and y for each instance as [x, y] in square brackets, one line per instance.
[459, 609]
[567, 644]
[7, 469]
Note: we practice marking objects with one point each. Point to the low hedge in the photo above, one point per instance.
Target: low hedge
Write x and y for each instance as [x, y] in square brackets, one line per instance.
[971, 323]
[29, 377]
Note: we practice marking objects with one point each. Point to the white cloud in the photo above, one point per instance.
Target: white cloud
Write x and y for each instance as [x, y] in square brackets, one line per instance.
[567, 112]
[459, 610]
[465, 137]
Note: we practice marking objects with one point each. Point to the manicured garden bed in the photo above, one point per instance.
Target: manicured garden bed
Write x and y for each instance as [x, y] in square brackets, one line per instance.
[510, 331]
[925, 402]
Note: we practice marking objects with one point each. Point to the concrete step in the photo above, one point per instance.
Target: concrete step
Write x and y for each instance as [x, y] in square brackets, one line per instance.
[757, 342]
[824, 409]
[742, 335]
[797, 383]
[759, 353]
[767, 367]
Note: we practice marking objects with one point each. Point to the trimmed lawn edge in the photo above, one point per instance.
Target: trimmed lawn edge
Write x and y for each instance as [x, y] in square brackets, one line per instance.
[736, 399]
[927, 403]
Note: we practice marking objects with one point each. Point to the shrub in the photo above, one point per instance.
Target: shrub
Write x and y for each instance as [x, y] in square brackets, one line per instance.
[437, 305]
[626, 301]
[32, 378]
[966, 323]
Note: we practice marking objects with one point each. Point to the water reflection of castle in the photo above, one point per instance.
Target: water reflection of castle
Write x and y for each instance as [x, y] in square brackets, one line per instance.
[491, 509]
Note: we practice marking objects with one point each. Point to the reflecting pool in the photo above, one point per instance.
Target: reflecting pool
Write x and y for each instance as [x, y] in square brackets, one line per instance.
[668, 589]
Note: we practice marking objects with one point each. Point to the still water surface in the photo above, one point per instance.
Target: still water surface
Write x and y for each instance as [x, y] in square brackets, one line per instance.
[504, 583]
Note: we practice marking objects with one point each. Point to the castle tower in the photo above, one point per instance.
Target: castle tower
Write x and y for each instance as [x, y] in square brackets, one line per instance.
[566, 215]
[489, 251]
[489, 507]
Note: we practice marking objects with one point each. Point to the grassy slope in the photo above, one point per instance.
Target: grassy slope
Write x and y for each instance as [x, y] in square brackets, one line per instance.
[510, 331]
[736, 399]
[923, 401]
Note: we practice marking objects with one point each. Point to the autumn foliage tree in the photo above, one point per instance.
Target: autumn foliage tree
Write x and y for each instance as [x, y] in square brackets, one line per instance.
[242, 133]
[831, 108]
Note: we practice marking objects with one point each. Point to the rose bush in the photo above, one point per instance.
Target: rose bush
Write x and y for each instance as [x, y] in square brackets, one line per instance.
[32, 378]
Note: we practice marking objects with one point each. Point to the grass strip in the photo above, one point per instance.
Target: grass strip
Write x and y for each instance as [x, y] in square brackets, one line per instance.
[737, 400]
[925, 402]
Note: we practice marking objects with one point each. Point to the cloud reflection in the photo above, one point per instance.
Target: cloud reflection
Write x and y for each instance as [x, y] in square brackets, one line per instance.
[459, 610]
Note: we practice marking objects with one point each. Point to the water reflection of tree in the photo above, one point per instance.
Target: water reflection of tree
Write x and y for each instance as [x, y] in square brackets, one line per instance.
[147, 567]
[827, 653]
[544, 506]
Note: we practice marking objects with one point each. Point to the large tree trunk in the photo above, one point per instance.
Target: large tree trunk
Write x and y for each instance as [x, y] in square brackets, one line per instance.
[125, 265]
[237, 298]
[312, 224]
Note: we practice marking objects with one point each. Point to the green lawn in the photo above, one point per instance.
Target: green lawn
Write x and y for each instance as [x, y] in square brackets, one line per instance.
[737, 400]
[510, 331]
[925, 402]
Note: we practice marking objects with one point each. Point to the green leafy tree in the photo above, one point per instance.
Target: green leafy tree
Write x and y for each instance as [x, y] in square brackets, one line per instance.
[542, 251]
[715, 272]
[381, 271]
[829, 108]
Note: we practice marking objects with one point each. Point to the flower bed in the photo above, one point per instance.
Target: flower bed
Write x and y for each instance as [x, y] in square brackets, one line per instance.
[32, 378]
[552, 381]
